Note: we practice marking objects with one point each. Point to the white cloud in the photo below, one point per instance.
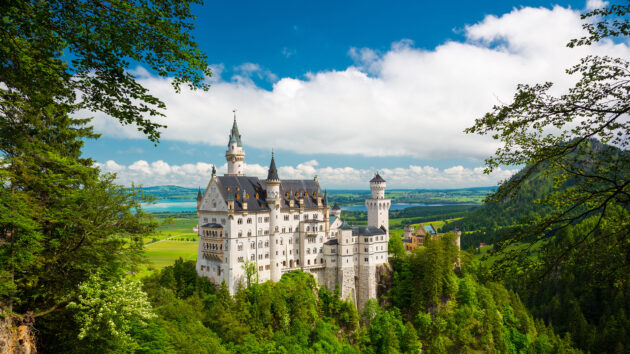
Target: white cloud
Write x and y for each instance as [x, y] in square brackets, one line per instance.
[595, 4]
[404, 102]
[191, 175]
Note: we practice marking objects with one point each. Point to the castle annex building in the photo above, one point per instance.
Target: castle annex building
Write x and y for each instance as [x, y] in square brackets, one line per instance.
[283, 225]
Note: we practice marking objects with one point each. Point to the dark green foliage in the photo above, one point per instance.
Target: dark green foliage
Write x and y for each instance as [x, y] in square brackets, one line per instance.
[454, 313]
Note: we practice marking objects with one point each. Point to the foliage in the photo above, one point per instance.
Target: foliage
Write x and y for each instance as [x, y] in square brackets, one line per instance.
[53, 51]
[454, 313]
[106, 311]
[579, 141]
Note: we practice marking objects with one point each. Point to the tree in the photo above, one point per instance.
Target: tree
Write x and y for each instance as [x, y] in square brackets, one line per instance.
[596, 108]
[106, 311]
[79, 53]
[60, 219]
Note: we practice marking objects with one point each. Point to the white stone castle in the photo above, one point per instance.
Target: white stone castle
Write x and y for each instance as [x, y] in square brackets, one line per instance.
[284, 225]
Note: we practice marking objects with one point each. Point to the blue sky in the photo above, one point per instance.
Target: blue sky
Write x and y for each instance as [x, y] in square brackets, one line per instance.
[343, 88]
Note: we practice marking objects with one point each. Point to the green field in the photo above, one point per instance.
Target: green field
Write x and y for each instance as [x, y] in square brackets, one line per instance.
[163, 253]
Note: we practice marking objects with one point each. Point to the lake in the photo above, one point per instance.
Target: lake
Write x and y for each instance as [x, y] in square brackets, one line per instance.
[172, 205]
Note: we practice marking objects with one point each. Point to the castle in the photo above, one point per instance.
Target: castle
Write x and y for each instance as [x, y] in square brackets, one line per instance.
[284, 225]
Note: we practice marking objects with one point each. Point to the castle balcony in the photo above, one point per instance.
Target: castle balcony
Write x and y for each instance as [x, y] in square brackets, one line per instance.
[213, 255]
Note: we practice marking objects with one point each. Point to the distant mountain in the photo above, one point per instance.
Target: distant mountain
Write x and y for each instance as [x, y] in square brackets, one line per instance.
[171, 192]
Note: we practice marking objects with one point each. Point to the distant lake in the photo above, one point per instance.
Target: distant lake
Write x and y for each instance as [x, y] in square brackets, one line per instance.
[170, 205]
[173, 205]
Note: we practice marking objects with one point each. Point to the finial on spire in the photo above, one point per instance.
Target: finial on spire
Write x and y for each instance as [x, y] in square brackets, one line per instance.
[234, 111]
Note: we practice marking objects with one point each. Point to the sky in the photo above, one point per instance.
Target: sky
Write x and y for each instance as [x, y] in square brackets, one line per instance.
[342, 89]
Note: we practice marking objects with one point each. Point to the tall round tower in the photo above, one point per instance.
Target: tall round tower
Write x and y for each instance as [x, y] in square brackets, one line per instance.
[378, 206]
[235, 155]
[273, 202]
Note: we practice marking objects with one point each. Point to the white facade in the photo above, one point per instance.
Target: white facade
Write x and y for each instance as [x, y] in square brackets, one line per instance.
[284, 225]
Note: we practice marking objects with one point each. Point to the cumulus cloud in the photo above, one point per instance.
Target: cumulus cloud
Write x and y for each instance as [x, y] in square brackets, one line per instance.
[403, 102]
[192, 175]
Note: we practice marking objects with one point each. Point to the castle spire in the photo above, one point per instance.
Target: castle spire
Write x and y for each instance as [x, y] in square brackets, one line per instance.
[199, 194]
[235, 136]
[273, 171]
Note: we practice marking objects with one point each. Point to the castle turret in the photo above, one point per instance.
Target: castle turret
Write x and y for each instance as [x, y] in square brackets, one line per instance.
[199, 197]
[378, 206]
[235, 155]
[273, 201]
[336, 211]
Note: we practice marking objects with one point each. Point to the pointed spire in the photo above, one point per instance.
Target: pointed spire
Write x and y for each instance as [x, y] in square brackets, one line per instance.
[199, 194]
[273, 171]
[325, 197]
[235, 136]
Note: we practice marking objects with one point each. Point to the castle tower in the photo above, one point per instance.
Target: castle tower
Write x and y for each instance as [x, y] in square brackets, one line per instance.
[345, 266]
[273, 201]
[336, 211]
[378, 206]
[235, 155]
[199, 197]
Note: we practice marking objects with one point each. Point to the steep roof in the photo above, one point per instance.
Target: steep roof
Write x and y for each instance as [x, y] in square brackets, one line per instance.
[273, 171]
[241, 186]
[367, 231]
[336, 207]
[377, 178]
[199, 194]
[235, 136]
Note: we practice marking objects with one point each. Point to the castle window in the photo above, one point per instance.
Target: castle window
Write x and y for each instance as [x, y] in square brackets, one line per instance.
[290, 229]
[253, 257]
[249, 233]
[238, 188]
[249, 220]
[240, 247]
[267, 266]
[240, 234]
[321, 260]
[284, 229]
[366, 259]
[205, 219]
[239, 221]
[297, 194]
[284, 263]
[286, 217]
[309, 262]
[246, 195]
[305, 194]
[266, 243]
[228, 188]
[315, 261]
[257, 196]
[287, 194]
[315, 194]
[238, 195]
[260, 267]
[321, 228]
[296, 217]
[266, 219]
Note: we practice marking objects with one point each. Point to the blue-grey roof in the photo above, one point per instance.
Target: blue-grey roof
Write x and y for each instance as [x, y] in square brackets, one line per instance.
[213, 226]
[367, 231]
[245, 185]
[332, 220]
[345, 226]
[273, 171]
[332, 242]
[235, 136]
[336, 207]
[377, 178]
